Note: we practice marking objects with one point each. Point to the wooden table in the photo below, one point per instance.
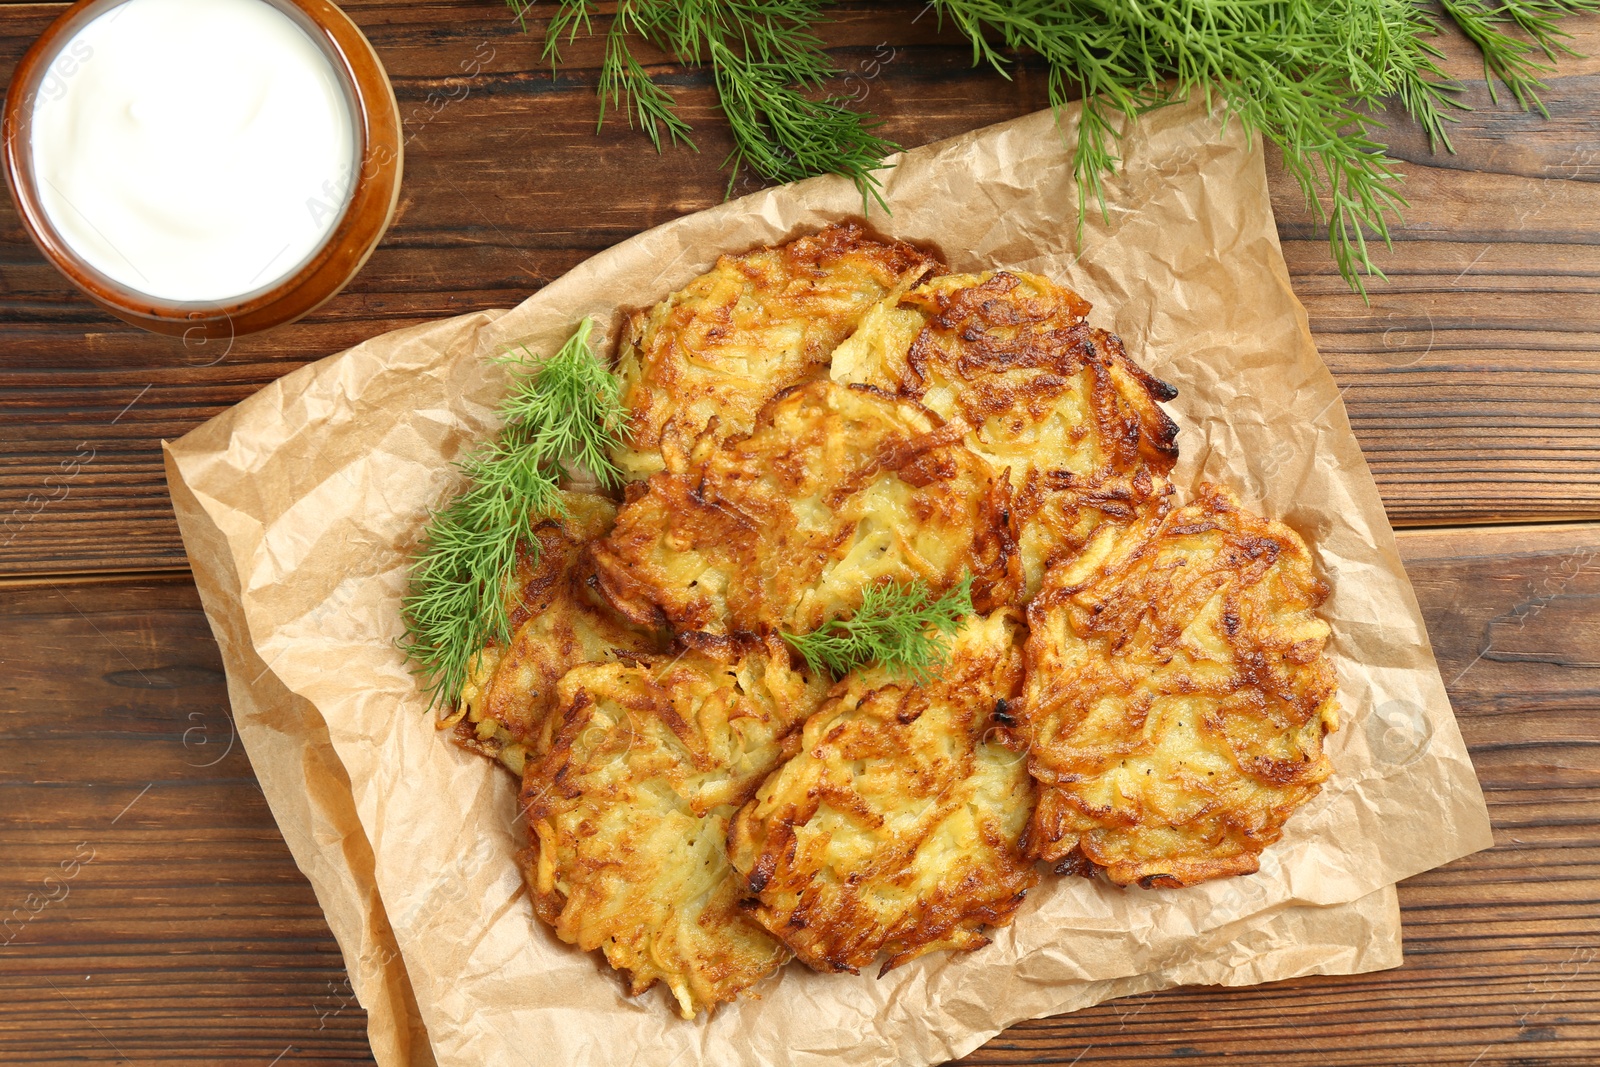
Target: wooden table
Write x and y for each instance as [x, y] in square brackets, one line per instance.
[156, 913]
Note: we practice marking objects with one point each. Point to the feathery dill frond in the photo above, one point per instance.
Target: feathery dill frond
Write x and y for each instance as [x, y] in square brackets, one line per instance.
[900, 626]
[558, 413]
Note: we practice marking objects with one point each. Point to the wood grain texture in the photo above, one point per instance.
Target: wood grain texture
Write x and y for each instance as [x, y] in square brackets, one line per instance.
[189, 937]
[1473, 379]
[149, 909]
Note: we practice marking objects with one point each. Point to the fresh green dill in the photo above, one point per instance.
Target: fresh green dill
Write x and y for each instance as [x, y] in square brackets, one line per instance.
[1511, 59]
[624, 84]
[902, 627]
[1312, 76]
[560, 414]
[1308, 74]
[769, 69]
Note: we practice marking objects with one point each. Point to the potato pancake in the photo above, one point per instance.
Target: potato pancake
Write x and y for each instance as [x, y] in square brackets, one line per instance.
[628, 805]
[1142, 690]
[839, 488]
[896, 829]
[713, 353]
[1177, 697]
[1038, 392]
[557, 622]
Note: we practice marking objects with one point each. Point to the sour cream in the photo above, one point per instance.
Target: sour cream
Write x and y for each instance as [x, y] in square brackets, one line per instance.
[193, 150]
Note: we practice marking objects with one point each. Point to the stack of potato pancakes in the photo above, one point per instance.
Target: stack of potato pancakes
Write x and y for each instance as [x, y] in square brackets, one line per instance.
[1142, 693]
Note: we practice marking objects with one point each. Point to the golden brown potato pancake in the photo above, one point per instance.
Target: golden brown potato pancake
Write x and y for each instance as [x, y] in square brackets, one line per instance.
[838, 488]
[897, 828]
[628, 805]
[1177, 696]
[1038, 392]
[557, 622]
[808, 421]
[713, 354]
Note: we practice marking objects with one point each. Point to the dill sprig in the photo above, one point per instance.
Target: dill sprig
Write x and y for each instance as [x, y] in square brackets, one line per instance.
[559, 414]
[1308, 74]
[1312, 76]
[624, 82]
[769, 69]
[902, 627]
[1511, 59]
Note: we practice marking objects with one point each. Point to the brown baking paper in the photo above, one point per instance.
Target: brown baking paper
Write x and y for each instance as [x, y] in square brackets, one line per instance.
[300, 505]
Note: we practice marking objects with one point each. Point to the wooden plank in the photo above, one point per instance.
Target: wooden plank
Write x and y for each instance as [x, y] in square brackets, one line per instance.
[180, 932]
[1472, 379]
[149, 909]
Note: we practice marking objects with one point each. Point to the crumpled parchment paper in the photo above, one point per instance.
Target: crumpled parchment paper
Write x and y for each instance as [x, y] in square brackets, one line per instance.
[300, 505]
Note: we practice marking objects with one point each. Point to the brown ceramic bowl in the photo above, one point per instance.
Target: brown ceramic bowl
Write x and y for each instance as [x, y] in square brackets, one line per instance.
[376, 188]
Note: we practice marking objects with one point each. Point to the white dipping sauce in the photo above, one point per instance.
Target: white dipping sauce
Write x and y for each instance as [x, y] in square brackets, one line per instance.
[193, 150]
